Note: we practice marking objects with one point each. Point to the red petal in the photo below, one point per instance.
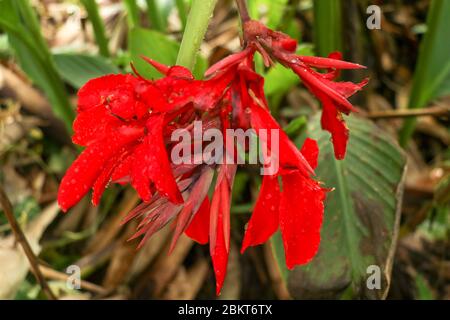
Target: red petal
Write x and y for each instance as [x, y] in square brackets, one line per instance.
[121, 173]
[346, 88]
[325, 63]
[141, 109]
[88, 166]
[153, 97]
[180, 72]
[301, 215]
[198, 229]
[159, 169]
[333, 122]
[218, 245]
[316, 83]
[227, 62]
[155, 221]
[289, 44]
[94, 92]
[105, 177]
[310, 150]
[219, 229]
[163, 69]
[264, 220]
[116, 92]
[198, 192]
[207, 94]
[333, 96]
[224, 186]
[139, 170]
[288, 154]
[144, 209]
[93, 124]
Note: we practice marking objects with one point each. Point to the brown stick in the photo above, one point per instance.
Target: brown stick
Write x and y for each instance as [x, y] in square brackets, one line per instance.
[56, 275]
[431, 111]
[278, 285]
[22, 240]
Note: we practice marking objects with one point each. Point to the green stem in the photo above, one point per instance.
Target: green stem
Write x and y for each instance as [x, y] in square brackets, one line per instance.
[155, 16]
[97, 24]
[196, 26]
[133, 13]
[32, 24]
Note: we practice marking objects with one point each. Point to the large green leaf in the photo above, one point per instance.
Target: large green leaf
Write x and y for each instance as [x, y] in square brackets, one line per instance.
[159, 47]
[77, 69]
[432, 75]
[361, 215]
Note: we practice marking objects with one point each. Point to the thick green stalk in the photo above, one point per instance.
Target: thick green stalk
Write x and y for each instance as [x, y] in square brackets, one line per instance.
[196, 26]
[155, 16]
[98, 26]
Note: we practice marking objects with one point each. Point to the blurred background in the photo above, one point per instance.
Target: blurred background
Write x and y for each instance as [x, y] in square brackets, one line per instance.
[386, 229]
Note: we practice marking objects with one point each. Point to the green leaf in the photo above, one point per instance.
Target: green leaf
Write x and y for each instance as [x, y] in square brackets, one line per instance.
[432, 75]
[279, 80]
[98, 26]
[361, 215]
[424, 292]
[159, 47]
[77, 69]
[295, 127]
[20, 23]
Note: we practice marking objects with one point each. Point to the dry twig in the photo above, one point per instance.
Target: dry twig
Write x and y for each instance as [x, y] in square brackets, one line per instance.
[22, 240]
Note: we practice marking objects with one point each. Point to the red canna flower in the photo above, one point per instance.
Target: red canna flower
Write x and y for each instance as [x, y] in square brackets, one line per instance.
[297, 209]
[126, 122]
[278, 46]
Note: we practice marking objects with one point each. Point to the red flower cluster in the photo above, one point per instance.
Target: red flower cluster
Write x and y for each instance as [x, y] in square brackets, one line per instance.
[125, 123]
